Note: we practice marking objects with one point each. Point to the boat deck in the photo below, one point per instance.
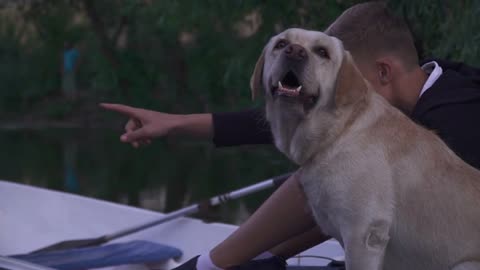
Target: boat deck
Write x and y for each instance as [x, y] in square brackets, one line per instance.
[32, 218]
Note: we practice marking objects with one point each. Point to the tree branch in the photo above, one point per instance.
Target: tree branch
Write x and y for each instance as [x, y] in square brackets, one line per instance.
[100, 31]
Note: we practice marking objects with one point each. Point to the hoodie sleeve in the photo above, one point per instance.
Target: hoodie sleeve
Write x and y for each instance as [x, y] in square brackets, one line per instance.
[240, 128]
[456, 125]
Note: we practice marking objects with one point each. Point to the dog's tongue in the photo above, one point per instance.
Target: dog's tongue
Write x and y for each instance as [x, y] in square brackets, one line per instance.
[288, 91]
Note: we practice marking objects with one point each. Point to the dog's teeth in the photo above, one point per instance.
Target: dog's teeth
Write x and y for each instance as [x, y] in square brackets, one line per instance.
[280, 85]
[298, 88]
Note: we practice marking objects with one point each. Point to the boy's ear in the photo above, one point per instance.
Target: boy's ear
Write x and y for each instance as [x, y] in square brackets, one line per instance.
[384, 70]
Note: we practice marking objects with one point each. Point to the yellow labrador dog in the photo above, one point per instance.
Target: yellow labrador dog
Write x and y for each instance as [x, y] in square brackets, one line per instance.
[390, 191]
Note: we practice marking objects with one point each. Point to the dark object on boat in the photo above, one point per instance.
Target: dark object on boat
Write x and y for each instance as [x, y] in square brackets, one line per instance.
[272, 263]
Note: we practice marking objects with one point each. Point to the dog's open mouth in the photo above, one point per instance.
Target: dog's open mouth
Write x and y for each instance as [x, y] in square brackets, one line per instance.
[289, 86]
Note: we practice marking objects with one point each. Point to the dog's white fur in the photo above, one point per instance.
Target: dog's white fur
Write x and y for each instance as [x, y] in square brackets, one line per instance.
[392, 192]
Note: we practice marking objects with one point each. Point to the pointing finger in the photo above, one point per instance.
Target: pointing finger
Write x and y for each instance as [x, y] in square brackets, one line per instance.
[123, 109]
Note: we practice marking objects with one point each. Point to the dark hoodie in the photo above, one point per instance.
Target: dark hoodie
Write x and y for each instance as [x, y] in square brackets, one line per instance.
[450, 107]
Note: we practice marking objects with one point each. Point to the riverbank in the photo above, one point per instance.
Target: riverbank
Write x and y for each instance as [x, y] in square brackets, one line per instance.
[58, 112]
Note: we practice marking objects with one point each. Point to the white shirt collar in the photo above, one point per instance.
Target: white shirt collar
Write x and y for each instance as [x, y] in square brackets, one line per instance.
[434, 71]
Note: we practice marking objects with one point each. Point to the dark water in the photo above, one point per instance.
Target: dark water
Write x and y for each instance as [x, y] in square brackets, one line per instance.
[164, 176]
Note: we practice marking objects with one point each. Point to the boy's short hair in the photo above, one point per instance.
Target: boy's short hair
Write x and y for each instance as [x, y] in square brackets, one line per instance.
[370, 29]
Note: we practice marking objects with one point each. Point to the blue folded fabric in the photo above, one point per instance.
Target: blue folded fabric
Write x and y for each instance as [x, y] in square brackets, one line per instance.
[134, 252]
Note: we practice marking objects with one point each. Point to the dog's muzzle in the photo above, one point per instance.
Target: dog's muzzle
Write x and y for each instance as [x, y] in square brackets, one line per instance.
[289, 86]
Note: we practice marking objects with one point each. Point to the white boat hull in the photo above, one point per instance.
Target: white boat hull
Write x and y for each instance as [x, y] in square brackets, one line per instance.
[32, 218]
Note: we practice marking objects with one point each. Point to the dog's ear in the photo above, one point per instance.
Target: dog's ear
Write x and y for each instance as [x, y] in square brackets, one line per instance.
[350, 86]
[256, 79]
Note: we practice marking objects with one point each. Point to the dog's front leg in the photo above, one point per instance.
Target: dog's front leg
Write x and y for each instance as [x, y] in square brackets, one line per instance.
[365, 245]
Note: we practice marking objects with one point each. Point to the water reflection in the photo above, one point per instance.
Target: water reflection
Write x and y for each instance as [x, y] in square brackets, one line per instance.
[70, 166]
[165, 176]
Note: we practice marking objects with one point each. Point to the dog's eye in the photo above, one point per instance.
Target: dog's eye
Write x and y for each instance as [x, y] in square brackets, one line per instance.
[281, 44]
[322, 52]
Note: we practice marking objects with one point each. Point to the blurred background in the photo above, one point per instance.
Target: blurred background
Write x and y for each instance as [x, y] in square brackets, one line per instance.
[59, 59]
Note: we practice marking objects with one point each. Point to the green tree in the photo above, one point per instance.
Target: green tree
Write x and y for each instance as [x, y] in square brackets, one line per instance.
[185, 55]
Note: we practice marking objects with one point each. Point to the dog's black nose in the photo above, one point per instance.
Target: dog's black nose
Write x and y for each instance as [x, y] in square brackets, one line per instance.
[295, 52]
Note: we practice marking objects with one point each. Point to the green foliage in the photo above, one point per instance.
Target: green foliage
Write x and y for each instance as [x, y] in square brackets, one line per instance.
[184, 55]
[56, 110]
[30, 47]
[444, 29]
